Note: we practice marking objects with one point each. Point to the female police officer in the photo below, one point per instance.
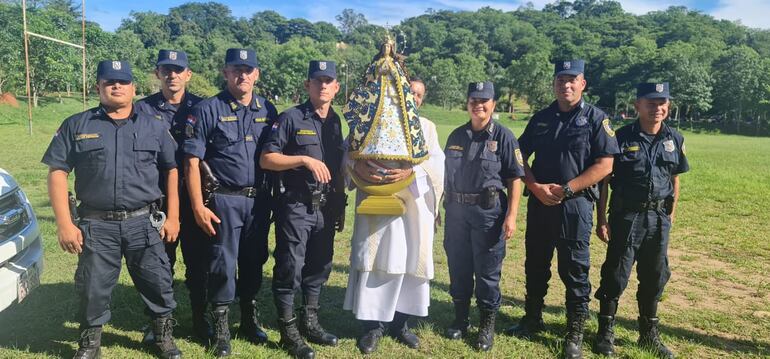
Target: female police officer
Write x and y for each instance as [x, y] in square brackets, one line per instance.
[482, 158]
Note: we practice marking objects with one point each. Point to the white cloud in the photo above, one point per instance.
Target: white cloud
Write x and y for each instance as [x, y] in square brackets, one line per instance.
[752, 13]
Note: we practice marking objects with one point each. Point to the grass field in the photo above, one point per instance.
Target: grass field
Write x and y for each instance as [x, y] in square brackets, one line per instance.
[716, 305]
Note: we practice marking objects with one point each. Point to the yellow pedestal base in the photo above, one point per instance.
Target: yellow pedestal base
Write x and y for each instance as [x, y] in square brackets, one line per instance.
[381, 205]
[381, 199]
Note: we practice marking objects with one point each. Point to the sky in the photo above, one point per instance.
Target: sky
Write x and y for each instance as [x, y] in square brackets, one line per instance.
[109, 13]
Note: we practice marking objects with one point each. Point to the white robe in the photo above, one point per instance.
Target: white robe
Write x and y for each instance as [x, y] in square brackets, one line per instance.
[391, 258]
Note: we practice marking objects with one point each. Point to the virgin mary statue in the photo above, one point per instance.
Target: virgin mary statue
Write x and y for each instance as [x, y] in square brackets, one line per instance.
[384, 129]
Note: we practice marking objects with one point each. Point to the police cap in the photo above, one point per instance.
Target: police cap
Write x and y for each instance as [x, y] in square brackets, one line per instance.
[172, 57]
[318, 68]
[246, 57]
[484, 89]
[114, 70]
[569, 67]
[653, 90]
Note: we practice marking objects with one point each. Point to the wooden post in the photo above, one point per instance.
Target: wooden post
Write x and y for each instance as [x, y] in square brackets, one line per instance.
[26, 62]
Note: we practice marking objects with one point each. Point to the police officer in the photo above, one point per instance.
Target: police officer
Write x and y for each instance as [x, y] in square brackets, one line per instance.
[171, 106]
[574, 146]
[227, 131]
[306, 146]
[482, 159]
[118, 157]
[645, 190]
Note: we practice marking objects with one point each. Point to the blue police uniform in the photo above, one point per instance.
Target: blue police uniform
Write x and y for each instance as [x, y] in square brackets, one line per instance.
[229, 137]
[478, 166]
[642, 198]
[117, 166]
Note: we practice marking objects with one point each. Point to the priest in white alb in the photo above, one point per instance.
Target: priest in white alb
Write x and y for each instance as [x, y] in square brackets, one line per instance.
[391, 260]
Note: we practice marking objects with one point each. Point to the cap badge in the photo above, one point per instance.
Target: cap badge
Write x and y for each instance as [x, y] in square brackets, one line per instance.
[567, 65]
[322, 65]
[116, 65]
[479, 86]
[172, 55]
[659, 88]
[244, 55]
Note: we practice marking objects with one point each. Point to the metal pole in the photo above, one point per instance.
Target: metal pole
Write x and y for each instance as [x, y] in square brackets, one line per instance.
[83, 9]
[26, 62]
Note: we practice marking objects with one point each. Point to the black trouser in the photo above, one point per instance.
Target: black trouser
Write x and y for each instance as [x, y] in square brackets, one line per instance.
[475, 247]
[241, 239]
[567, 228]
[105, 243]
[303, 254]
[641, 237]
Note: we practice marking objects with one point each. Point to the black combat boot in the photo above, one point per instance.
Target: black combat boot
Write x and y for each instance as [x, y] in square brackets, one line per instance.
[292, 341]
[532, 321]
[605, 337]
[573, 341]
[486, 330]
[221, 322]
[649, 337]
[310, 327]
[399, 329]
[163, 331]
[89, 345]
[461, 324]
[250, 328]
[373, 332]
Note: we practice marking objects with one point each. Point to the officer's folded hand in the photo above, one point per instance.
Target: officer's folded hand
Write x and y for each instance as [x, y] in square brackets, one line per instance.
[170, 231]
[204, 217]
[318, 168]
[509, 226]
[70, 238]
[603, 232]
[544, 193]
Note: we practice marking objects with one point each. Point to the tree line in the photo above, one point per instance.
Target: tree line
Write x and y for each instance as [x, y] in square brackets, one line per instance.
[719, 70]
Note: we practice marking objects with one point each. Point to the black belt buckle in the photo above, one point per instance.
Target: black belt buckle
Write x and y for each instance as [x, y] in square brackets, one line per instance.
[116, 215]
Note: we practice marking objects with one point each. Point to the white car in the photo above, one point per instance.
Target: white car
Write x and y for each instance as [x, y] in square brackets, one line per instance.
[21, 245]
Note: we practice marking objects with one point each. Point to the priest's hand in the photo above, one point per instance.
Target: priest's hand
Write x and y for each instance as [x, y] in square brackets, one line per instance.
[397, 174]
[366, 172]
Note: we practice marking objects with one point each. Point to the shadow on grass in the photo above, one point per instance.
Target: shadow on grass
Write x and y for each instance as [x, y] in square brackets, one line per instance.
[45, 322]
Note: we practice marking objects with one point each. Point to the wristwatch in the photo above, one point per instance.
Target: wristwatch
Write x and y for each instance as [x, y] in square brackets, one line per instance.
[567, 191]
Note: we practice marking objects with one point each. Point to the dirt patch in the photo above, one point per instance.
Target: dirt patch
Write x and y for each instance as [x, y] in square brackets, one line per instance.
[9, 99]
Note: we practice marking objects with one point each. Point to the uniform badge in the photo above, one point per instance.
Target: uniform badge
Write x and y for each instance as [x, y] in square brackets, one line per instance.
[243, 55]
[228, 118]
[631, 149]
[492, 146]
[172, 55]
[260, 120]
[479, 86]
[581, 121]
[455, 148]
[567, 65]
[659, 88]
[322, 65]
[306, 132]
[249, 138]
[519, 157]
[608, 128]
[86, 136]
[669, 146]
[116, 65]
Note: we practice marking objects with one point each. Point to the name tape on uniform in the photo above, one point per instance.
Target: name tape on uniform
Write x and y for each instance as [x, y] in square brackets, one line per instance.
[86, 136]
[228, 118]
[306, 132]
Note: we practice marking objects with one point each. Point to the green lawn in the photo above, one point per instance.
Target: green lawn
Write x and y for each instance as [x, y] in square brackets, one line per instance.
[716, 305]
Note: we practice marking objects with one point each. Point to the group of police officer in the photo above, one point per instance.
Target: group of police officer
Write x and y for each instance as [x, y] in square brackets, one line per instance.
[233, 147]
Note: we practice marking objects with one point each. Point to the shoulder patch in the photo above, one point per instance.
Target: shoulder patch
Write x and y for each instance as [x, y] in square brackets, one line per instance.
[228, 118]
[306, 132]
[608, 128]
[519, 157]
[86, 136]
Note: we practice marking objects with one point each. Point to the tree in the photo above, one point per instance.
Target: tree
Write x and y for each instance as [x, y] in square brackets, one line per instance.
[350, 20]
[530, 78]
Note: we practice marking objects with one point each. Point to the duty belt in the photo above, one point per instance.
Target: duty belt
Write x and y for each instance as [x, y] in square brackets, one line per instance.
[249, 192]
[654, 205]
[113, 215]
[465, 198]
